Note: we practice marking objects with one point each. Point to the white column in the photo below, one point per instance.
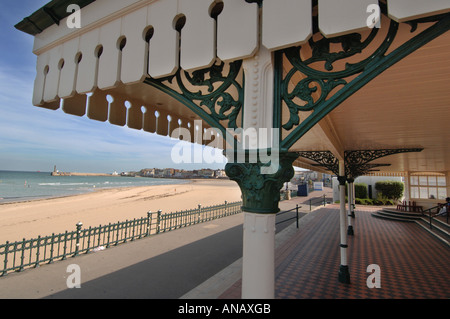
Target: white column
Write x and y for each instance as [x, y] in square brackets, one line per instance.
[258, 269]
[350, 207]
[258, 97]
[407, 188]
[344, 275]
[447, 180]
[353, 200]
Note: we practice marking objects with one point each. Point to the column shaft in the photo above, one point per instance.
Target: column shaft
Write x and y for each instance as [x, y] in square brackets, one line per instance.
[350, 231]
[344, 275]
[258, 268]
[260, 197]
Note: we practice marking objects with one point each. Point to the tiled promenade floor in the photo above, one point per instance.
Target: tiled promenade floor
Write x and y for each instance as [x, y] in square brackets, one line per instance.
[413, 264]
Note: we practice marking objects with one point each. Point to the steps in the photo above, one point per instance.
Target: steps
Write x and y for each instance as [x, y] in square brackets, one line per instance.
[439, 229]
[393, 214]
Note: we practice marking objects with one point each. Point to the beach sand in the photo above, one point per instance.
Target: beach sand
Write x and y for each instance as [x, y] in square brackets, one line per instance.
[47, 216]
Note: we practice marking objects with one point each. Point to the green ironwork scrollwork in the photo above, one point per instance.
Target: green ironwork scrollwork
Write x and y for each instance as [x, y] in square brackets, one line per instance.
[356, 171]
[362, 157]
[322, 85]
[318, 83]
[322, 158]
[214, 93]
[356, 162]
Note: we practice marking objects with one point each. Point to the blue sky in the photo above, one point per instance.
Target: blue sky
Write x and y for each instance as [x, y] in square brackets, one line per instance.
[33, 138]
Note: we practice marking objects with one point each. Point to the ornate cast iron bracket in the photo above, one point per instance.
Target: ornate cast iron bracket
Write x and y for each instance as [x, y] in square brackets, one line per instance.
[357, 171]
[322, 79]
[357, 163]
[323, 158]
[215, 94]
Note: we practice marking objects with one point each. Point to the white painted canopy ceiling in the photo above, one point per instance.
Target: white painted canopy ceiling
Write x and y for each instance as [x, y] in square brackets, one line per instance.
[123, 42]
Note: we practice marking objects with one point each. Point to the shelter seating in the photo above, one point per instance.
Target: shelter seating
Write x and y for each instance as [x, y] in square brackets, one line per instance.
[440, 206]
[409, 207]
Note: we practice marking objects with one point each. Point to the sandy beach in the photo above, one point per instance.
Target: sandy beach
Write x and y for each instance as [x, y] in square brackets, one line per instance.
[47, 216]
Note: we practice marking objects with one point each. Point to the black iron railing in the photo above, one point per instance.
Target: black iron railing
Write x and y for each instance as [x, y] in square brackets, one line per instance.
[28, 253]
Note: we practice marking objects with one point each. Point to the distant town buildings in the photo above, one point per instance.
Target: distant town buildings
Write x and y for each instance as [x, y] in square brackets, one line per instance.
[178, 173]
[299, 178]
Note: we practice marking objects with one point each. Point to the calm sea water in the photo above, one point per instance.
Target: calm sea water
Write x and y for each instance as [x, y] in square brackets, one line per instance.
[24, 186]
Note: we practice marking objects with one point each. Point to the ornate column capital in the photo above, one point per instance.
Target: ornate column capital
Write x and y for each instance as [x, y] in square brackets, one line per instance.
[261, 192]
[342, 180]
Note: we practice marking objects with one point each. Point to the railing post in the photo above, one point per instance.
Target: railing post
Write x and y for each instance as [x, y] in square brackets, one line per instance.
[5, 262]
[134, 229]
[108, 237]
[126, 231]
[199, 211]
[117, 233]
[36, 265]
[149, 222]
[22, 257]
[99, 235]
[89, 239]
[51, 249]
[77, 241]
[296, 214]
[324, 200]
[226, 208]
[310, 204]
[65, 246]
[158, 227]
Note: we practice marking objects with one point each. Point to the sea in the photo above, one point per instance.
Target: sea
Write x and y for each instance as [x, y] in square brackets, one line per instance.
[18, 186]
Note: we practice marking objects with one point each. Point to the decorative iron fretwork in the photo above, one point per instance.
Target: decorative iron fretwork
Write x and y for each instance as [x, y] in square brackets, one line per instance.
[357, 163]
[356, 171]
[323, 158]
[215, 93]
[360, 159]
[316, 85]
[323, 73]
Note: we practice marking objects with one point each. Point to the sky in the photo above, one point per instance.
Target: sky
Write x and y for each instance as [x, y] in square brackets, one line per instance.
[36, 139]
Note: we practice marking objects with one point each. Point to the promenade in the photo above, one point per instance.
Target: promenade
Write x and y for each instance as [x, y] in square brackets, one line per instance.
[204, 262]
[413, 264]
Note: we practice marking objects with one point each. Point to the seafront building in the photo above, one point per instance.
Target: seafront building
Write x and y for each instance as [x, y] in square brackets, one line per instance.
[348, 88]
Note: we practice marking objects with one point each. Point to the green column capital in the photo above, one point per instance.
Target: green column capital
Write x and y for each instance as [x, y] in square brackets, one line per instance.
[261, 192]
[342, 180]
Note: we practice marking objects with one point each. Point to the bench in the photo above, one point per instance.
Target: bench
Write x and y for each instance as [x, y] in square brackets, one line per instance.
[408, 207]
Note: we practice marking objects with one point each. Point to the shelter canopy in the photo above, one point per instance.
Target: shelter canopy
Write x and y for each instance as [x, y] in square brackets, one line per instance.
[101, 69]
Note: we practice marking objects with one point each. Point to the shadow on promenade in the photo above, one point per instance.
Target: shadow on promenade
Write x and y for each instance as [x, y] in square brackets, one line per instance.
[166, 276]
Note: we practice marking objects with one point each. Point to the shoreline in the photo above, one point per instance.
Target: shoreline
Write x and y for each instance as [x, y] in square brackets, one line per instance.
[81, 174]
[42, 217]
[90, 191]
